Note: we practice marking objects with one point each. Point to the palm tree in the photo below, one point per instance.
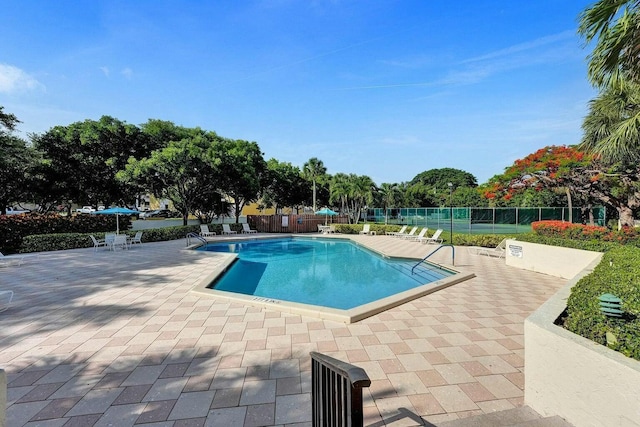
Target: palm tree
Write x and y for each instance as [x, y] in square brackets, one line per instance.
[339, 191]
[616, 25]
[360, 193]
[388, 193]
[313, 170]
[612, 126]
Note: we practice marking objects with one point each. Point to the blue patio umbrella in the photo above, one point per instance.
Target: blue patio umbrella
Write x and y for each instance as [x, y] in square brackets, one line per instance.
[117, 211]
[326, 212]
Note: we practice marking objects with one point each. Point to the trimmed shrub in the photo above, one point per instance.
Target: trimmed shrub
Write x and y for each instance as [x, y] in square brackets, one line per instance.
[618, 274]
[61, 241]
[567, 230]
[14, 228]
[587, 245]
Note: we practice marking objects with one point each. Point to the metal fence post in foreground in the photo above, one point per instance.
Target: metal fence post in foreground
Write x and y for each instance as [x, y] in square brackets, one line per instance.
[336, 392]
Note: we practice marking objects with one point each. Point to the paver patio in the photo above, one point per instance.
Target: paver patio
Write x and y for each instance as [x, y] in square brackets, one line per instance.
[103, 338]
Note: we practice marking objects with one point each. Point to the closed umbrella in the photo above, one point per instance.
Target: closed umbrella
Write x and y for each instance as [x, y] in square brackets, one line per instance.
[326, 212]
[117, 211]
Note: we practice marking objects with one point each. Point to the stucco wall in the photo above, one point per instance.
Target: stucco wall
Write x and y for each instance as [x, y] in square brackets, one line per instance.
[551, 260]
[585, 383]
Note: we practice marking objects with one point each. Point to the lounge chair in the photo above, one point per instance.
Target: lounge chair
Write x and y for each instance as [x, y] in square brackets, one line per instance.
[420, 236]
[395, 233]
[5, 299]
[227, 230]
[404, 235]
[98, 243]
[435, 239]
[366, 229]
[246, 229]
[332, 229]
[205, 232]
[136, 239]
[499, 251]
[12, 260]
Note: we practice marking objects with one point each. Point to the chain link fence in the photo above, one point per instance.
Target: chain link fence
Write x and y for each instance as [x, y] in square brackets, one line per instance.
[482, 220]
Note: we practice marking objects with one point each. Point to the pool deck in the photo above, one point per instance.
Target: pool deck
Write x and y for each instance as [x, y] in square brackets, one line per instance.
[118, 338]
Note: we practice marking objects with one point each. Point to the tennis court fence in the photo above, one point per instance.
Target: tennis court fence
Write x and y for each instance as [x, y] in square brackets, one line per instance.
[483, 220]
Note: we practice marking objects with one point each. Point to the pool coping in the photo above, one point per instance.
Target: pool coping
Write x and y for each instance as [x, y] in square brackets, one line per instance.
[326, 313]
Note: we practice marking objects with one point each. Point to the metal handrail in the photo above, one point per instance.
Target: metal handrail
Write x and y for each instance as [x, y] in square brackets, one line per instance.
[453, 256]
[336, 392]
[195, 236]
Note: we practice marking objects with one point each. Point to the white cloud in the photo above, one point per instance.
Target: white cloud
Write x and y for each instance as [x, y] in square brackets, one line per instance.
[105, 70]
[127, 72]
[13, 80]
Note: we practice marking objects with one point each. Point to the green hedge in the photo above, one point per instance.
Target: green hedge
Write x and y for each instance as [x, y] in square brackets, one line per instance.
[61, 241]
[587, 245]
[14, 228]
[618, 274]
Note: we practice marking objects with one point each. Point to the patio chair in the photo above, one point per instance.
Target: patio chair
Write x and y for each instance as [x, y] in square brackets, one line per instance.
[120, 240]
[136, 239]
[499, 251]
[205, 232]
[333, 229]
[404, 235]
[98, 243]
[12, 260]
[366, 229]
[5, 299]
[420, 235]
[435, 239]
[227, 230]
[395, 233]
[246, 229]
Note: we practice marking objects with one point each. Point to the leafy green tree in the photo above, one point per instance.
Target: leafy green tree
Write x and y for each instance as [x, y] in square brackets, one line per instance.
[183, 172]
[242, 171]
[467, 197]
[284, 186]
[80, 161]
[314, 170]
[616, 55]
[16, 160]
[353, 192]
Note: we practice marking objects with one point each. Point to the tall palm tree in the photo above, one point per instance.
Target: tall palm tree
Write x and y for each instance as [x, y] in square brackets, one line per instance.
[360, 194]
[388, 193]
[339, 191]
[616, 25]
[612, 126]
[313, 170]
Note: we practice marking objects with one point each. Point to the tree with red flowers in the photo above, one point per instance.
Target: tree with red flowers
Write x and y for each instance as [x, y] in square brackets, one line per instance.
[577, 172]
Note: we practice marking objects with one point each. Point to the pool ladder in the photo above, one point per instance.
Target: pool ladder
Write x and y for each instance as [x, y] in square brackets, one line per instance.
[195, 236]
[453, 256]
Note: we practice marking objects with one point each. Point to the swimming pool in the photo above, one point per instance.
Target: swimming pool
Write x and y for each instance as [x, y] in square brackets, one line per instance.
[333, 273]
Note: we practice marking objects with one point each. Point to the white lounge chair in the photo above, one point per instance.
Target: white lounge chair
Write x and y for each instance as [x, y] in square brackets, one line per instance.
[499, 251]
[420, 235]
[227, 230]
[98, 243]
[12, 260]
[205, 232]
[435, 239]
[5, 299]
[409, 234]
[395, 233]
[136, 239]
[366, 229]
[246, 229]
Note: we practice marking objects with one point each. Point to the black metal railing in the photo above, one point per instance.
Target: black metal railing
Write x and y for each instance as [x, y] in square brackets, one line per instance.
[336, 392]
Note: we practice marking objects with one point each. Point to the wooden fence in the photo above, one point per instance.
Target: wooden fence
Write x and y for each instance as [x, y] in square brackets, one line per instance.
[292, 223]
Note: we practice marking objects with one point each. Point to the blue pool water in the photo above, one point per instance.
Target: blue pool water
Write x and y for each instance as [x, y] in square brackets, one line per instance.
[326, 272]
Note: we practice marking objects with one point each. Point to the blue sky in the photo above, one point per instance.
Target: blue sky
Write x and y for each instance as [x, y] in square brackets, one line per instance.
[386, 89]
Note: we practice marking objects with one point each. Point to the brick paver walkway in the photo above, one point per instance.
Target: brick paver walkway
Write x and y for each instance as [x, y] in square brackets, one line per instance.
[104, 338]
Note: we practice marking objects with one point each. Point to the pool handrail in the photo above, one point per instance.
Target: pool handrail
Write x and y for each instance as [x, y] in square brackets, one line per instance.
[453, 256]
[195, 236]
